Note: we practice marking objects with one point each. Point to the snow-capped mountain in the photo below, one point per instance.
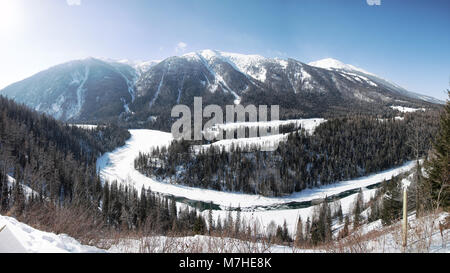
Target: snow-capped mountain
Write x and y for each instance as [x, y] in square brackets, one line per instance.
[300, 89]
[139, 66]
[144, 92]
[82, 90]
[335, 65]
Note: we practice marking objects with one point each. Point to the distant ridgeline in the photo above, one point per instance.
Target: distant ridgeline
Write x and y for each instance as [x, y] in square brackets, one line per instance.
[340, 149]
[136, 96]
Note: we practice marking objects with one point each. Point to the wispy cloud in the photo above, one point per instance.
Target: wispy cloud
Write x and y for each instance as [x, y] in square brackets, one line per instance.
[73, 2]
[373, 2]
[181, 47]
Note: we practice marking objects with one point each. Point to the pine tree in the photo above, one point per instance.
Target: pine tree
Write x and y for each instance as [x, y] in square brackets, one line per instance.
[173, 209]
[340, 214]
[4, 195]
[105, 205]
[210, 219]
[299, 239]
[438, 166]
[237, 224]
[359, 203]
[316, 236]
[392, 202]
[307, 230]
[279, 234]
[345, 230]
[229, 222]
[286, 236]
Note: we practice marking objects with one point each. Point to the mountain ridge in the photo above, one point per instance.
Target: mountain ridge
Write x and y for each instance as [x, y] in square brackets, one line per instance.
[94, 89]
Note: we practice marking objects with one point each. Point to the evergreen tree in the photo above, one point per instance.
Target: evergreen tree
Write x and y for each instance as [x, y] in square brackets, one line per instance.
[392, 201]
[210, 219]
[437, 183]
[345, 230]
[359, 203]
[237, 224]
[286, 236]
[279, 234]
[4, 191]
[299, 239]
[340, 214]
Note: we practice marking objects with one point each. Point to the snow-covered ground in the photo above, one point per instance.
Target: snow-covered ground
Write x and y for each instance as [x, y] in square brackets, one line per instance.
[263, 218]
[264, 143]
[119, 165]
[407, 109]
[267, 143]
[17, 237]
[308, 124]
[85, 126]
[196, 244]
[26, 190]
[396, 118]
[423, 236]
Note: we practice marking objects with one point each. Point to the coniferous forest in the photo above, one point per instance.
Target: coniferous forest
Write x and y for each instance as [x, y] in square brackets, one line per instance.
[340, 149]
[56, 186]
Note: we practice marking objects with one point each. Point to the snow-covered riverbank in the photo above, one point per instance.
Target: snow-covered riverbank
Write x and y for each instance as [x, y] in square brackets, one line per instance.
[119, 165]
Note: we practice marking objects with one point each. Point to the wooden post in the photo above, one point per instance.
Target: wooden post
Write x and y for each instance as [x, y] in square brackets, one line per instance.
[405, 219]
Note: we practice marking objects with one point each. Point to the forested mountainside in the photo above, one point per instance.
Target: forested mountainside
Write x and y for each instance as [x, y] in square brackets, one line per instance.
[82, 90]
[301, 90]
[340, 149]
[48, 179]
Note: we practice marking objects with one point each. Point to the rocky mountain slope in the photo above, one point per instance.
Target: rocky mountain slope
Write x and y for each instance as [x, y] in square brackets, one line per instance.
[143, 93]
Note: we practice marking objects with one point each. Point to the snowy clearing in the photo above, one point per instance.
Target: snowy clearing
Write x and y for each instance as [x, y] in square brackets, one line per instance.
[85, 126]
[243, 143]
[308, 124]
[407, 109]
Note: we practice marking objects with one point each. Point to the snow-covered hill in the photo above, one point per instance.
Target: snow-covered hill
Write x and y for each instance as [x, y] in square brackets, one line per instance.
[358, 73]
[17, 237]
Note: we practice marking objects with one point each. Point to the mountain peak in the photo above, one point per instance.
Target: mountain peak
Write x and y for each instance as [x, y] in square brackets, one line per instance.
[212, 53]
[333, 64]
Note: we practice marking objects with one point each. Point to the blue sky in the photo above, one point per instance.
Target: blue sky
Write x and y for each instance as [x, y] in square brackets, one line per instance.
[407, 42]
